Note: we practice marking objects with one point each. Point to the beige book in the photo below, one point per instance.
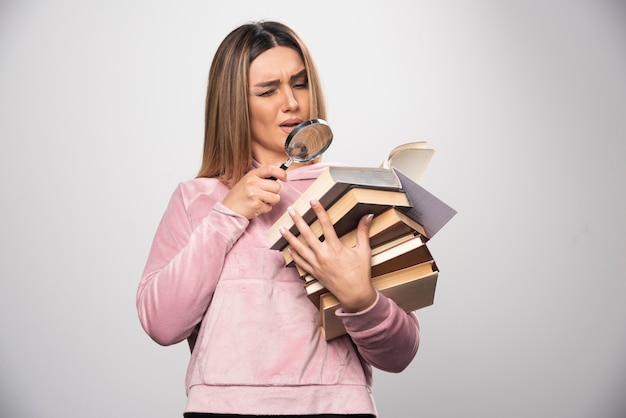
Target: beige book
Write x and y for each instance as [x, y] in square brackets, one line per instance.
[329, 187]
[411, 288]
[357, 202]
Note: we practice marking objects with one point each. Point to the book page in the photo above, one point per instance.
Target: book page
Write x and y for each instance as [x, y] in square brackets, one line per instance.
[411, 158]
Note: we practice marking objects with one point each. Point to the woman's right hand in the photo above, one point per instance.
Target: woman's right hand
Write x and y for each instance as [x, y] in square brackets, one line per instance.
[256, 193]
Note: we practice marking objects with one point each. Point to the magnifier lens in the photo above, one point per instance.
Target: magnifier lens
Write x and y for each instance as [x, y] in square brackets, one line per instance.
[299, 151]
[308, 140]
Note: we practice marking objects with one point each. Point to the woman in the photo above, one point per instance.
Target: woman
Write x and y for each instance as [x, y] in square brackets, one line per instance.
[210, 278]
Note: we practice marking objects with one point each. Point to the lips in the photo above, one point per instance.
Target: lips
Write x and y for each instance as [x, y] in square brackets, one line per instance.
[291, 123]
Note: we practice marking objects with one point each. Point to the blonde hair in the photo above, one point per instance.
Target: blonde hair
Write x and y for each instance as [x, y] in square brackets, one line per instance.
[227, 151]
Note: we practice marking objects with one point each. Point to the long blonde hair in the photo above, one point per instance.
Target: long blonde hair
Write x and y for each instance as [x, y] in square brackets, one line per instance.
[227, 151]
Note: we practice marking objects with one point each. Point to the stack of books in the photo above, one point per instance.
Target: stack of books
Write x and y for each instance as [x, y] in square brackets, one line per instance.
[406, 216]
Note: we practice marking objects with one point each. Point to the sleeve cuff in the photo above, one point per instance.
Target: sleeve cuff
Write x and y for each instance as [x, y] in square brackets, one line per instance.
[368, 318]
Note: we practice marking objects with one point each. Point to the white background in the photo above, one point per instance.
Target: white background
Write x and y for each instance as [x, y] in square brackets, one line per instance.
[101, 114]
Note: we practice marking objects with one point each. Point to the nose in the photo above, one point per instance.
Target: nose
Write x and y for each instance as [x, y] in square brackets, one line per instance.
[289, 101]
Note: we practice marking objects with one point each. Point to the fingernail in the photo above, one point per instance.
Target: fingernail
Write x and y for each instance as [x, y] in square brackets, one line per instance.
[291, 210]
[312, 202]
[281, 230]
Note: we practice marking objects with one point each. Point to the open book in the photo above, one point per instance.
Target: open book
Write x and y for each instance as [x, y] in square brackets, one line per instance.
[335, 181]
[411, 158]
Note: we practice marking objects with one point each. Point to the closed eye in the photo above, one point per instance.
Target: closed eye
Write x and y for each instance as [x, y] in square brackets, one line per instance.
[302, 85]
[266, 93]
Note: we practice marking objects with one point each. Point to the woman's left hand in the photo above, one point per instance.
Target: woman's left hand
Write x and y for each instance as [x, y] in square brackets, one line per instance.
[345, 272]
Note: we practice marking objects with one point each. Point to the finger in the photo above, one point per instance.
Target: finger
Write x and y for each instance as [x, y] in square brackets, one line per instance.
[261, 188]
[299, 250]
[327, 226]
[271, 172]
[362, 233]
[267, 173]
[305, 231]
[269, 197]
[300, 261]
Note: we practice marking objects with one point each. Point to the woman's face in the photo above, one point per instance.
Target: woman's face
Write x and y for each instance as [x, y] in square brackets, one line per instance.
[279, 101]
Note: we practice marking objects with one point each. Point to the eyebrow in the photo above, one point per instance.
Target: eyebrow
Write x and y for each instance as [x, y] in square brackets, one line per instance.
[272, 83]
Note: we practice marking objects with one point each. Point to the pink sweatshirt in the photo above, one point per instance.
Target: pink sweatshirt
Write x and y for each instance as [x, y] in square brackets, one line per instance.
[212, 279]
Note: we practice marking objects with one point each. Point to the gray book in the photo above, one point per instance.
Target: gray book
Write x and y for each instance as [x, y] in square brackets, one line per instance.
[426, 209]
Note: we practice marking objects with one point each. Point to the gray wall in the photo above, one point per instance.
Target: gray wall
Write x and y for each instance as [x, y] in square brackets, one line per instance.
[101, 108]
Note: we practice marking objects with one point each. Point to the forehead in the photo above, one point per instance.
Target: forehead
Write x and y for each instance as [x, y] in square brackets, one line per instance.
[275, 64]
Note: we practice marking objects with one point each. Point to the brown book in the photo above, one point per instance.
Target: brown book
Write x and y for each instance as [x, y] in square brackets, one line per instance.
[385, 246]
[412, 288]
[385, 227]
[308, 279]
[331, 185]
[314, 290]
[406, 254]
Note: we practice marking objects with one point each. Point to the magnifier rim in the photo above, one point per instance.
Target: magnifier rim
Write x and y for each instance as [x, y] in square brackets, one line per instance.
[297, 129]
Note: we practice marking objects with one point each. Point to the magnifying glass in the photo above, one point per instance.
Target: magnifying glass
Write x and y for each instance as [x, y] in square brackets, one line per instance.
[307, 141]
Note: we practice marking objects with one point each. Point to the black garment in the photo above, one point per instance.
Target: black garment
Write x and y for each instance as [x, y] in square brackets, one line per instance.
[203, 415]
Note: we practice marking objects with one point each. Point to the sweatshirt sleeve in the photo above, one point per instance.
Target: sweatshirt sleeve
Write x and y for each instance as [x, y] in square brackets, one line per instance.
[386, 336]
[183, 267]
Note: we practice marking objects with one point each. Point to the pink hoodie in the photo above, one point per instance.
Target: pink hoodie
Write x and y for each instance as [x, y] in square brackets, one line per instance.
[257, 347]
